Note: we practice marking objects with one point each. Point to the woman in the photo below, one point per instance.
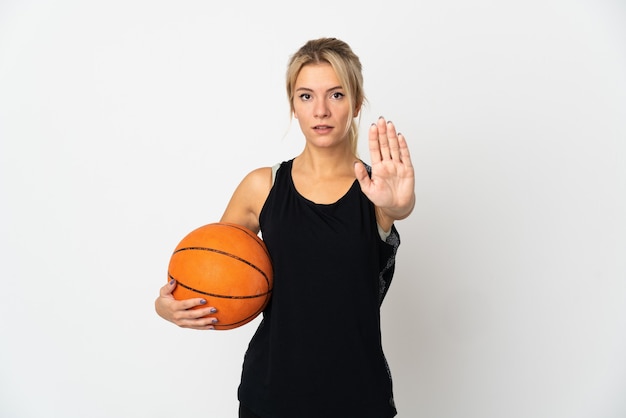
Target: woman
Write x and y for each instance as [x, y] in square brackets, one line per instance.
[327, 220]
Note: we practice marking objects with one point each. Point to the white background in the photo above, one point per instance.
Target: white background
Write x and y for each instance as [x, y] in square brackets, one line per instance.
[126, 124]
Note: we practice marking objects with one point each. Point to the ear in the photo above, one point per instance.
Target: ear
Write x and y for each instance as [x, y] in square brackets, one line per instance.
[357, 109]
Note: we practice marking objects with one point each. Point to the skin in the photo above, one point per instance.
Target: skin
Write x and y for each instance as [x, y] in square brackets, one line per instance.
[322, 173]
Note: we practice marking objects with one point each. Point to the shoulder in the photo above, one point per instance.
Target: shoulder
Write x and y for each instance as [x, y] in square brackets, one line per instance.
[248, 199]
[257, 182]
[259, 175]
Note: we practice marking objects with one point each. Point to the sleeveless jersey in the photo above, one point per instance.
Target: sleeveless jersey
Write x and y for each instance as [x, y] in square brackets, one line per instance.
[317, 351]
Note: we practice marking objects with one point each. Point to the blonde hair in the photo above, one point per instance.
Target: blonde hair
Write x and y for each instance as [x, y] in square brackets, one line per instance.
[347, 66]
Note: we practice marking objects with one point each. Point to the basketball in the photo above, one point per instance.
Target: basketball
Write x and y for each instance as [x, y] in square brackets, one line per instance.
[229, 266]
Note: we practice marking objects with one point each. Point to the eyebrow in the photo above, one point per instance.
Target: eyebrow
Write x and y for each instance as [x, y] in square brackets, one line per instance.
[330, 89]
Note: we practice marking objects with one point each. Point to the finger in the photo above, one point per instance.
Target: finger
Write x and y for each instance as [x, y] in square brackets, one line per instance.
[383, 140]
[374, 145]
[405, 155]
[168, 288]
[198, 317]
[392, 139]
[185, 304]
[205, 323]
[193, 314]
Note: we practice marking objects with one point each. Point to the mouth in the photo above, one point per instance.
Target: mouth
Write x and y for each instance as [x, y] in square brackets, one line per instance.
[322, 127]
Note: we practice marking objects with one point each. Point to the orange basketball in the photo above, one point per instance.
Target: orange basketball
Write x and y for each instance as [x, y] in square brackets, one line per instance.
[229, 266]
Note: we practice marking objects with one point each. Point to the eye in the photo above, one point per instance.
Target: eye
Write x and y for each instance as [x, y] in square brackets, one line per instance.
[305, 96]
[337, 95]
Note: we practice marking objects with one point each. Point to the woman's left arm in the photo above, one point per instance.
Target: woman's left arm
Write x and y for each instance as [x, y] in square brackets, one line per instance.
[391, 186]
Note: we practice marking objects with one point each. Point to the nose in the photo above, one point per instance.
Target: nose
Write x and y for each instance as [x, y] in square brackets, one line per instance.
[321, 110]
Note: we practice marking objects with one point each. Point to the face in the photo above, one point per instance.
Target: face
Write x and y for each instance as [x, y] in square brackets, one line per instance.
[321, 106]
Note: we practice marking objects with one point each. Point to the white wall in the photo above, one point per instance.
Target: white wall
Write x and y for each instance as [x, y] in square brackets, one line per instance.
[125, 124]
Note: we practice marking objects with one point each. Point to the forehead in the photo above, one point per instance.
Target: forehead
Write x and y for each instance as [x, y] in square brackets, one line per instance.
[316, 76]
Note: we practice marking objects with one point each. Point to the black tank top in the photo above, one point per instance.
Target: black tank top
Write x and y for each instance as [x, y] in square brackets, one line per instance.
[317, 352]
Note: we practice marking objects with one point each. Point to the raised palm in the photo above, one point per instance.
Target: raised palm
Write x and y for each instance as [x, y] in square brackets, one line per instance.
[391, 186]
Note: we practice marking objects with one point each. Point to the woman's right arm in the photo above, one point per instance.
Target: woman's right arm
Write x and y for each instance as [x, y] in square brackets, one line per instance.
[243, 209]
[248, 199]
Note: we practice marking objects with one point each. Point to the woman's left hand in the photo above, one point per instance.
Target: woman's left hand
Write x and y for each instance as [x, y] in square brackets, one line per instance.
[391, 186]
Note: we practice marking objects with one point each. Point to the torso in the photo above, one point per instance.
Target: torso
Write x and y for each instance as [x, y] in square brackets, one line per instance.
[318, 348]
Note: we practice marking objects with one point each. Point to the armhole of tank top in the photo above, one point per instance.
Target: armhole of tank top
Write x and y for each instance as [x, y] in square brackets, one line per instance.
[275, 168]
[383, 234]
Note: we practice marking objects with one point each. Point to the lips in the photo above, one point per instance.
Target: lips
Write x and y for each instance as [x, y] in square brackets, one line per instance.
[322, 127]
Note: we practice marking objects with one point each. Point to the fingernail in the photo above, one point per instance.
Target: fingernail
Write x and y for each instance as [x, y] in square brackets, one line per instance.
[211, 327]
[172, 281]
[214, 320]
[213, 310]
[388, 122]
[380, 117]
[202, 302]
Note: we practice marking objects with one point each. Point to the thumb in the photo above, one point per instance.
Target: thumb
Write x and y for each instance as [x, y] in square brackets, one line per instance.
[361, 174]
[168, 288]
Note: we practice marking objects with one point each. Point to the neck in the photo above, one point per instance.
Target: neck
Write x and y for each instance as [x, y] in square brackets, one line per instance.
[324, 162]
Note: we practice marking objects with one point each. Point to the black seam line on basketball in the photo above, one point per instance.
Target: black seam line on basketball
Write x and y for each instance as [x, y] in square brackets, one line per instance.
[213, 250]
[241, 321]
[216, 295]
[247, 232]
